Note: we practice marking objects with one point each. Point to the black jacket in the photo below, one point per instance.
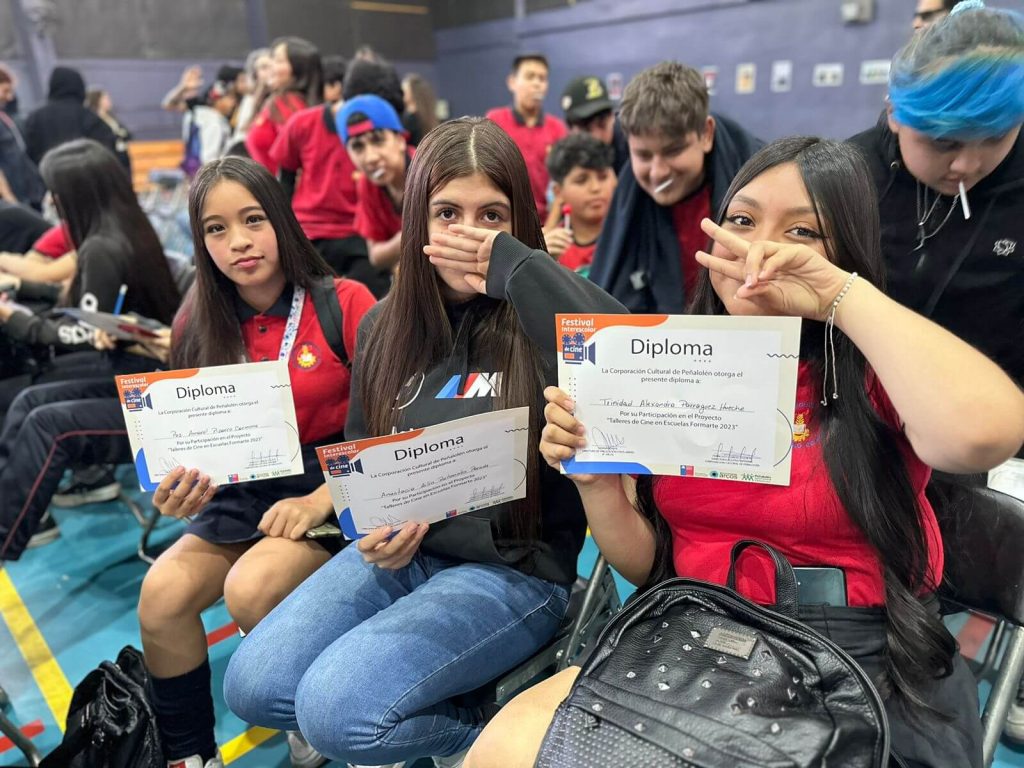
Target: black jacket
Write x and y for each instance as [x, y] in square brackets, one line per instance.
[969, 277]
[64, 117]
[637, 259]
[538, 288]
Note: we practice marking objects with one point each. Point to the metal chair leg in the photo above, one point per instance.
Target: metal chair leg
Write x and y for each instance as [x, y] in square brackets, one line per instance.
[995, 647]
[1004, 691]
[591, 599]
[10, 730]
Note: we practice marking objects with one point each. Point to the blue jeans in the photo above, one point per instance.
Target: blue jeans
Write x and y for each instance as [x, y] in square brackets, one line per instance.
[364, 661]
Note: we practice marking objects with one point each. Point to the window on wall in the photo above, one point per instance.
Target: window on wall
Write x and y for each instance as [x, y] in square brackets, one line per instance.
[151, 29]
[395, 29]
[457, 13]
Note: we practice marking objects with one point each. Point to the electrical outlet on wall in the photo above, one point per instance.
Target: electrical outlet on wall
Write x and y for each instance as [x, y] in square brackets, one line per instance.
[857, 11]
[828, 75]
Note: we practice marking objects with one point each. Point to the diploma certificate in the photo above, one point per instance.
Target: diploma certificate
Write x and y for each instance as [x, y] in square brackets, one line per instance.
[684, 395]
[428, 474]
[232, 422]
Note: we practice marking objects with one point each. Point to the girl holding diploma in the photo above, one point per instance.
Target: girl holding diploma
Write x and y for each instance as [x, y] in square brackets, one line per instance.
[882, 397]
[251, 301]
[367, 654]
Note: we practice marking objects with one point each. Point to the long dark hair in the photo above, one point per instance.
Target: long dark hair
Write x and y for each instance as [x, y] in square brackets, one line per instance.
[307, 71]
[94, 198]
[413, 332]
[425, 99]
[207, 331]
[861, 451]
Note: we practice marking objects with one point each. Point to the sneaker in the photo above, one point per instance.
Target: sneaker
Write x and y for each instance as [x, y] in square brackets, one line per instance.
[301, 753]
[1014, 728]
[45, 533]
[195, 761]
[87, 486]
[452, 761]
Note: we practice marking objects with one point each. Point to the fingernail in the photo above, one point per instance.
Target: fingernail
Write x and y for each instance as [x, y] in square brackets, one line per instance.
[581, 430]
[570, 404]
[749, 283]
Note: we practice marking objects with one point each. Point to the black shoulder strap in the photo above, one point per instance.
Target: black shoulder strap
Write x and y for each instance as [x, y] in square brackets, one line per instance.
[328, 312]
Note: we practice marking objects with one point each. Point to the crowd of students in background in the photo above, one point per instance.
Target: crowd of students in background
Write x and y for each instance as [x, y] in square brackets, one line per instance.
[316, 180]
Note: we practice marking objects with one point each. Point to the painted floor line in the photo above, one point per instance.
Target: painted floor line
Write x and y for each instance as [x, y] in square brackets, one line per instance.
[29, 731]
[44, 667]
[241, 745]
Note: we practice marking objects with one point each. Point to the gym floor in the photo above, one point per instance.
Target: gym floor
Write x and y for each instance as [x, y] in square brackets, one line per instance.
[71, 604]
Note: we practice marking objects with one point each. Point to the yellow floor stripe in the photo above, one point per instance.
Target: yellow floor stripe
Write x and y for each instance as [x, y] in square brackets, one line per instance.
[45, 669]
[248, 741]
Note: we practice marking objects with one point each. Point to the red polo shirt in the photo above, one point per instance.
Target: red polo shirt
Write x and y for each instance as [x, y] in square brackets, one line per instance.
[325, 198]
[686, 218]
[805, 520]
[535, 143]
[54, 242]
[320, 383]
[377, 218]
[577, 256]
[268, 124]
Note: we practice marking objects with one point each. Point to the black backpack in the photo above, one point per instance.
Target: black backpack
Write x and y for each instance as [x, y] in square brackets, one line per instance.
[111, 722]
[689, 674]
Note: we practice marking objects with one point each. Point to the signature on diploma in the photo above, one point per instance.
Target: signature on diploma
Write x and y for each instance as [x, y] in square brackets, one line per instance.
[263, 459]
[606, 440]
[730, 454]
[486, 492]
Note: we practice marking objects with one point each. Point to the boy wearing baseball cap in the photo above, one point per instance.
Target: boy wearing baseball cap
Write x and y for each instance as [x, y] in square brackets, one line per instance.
[682, 160]
[372, 133]
[588, 109]
[531, 129]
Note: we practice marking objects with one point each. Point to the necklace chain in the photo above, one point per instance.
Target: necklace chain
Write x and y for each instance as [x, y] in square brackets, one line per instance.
[924, 213]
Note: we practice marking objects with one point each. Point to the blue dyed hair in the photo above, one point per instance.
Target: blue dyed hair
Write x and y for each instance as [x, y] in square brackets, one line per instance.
[962, 77]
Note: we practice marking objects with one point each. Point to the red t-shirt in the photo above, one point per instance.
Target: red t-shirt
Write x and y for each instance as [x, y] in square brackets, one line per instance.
[377, 219]
[686, 218]
[576, 256]
[535, 143]
[325, 197]
[320, 383]
[803, 520]
[264, 129]
[54, 242]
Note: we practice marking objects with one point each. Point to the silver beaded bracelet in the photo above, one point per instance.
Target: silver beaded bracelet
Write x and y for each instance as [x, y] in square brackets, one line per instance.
[830, 344]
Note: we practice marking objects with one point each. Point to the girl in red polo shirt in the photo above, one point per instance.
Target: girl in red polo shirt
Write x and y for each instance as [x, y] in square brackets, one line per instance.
[298, 83]
[800, 237]
[255, 273]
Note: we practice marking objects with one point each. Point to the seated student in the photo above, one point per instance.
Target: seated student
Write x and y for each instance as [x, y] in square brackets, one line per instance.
[954, 116]
[50, 259]
[581, 170]
[682, 159]
[117, 248]
[298, 83]
[420, 115]
[890, 409]
[206, 127]
[589, 110]
[372, 133]
[344, 658]
[252, 300]
[20, 226]
[324, 196]
[64, 117]
[531, 129]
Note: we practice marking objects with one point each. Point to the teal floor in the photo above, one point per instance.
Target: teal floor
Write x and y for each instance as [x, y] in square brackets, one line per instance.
[80, 593]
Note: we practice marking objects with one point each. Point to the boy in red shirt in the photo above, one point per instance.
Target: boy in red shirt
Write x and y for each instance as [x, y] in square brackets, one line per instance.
[682, 159]
[581, 170]
[319, 177]
[372, 133]
[533, 131]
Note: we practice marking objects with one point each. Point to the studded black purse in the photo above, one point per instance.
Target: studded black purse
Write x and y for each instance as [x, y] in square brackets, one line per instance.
[691, 675]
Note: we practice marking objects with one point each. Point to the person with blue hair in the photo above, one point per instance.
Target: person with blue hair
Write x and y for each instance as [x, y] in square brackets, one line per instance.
[948, 164]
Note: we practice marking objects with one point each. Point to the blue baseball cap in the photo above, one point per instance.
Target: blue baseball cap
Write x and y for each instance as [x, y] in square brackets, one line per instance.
[364, 114]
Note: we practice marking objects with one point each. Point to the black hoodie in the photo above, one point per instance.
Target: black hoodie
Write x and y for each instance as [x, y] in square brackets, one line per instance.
[64, 117]
[637, 258]
[969, 277]
[538, 287]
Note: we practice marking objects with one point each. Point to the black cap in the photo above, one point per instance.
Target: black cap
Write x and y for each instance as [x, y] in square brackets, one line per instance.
[584, 97]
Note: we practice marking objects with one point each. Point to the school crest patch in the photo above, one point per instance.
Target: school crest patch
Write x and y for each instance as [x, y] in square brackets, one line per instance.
[307, 356]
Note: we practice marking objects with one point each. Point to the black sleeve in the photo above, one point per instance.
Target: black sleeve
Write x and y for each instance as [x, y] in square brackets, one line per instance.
[99, 131]
[539, 288]
[101, 281]
[288, 183]
[355, 422]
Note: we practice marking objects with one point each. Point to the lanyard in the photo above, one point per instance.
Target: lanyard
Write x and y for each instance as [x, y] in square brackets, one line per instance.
[291, 326]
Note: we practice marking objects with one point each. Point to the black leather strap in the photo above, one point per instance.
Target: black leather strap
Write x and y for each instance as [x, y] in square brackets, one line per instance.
[786, 599]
